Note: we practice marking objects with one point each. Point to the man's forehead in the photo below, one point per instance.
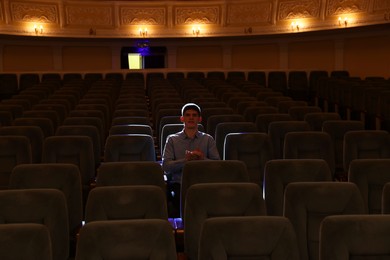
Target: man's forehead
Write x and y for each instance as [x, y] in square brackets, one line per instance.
[191, 111]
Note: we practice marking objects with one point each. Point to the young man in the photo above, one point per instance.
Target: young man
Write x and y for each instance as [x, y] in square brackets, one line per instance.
[186, 145]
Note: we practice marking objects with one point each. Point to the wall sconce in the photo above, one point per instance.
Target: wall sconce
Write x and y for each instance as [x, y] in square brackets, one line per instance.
[38, 30]
[345, 22]
[195, 31]
[143, 32]
[295, 26]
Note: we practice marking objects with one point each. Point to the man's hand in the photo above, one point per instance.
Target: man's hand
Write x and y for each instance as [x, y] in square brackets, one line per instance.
[194, 155]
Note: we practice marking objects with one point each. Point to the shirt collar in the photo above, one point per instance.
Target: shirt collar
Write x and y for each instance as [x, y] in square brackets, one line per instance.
[184, 136]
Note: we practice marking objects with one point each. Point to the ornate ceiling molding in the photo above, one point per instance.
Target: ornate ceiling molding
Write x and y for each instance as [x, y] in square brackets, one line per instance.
[164, 19]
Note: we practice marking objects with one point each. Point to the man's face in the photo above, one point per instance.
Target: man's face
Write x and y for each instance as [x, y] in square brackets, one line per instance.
[191, 118]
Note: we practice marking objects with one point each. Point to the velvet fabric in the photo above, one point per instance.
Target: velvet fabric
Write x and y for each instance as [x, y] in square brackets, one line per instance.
[130, 173]
[77, 150]
[126, 239]
[316, 120]
[251, 113]
[337, 129]
[14, 150]
[44, 123]
[277, 131]
[254, 149]
[262, 121]
[355, 237]
[25, 241]
[131, 129]
[210, 200]
[52, 115]
[211, 172]
[306, 204]
[310, 145]
[299, 112]
[370, 176]
[126, 202]
[280, 172]
[386, 199]
[41, 206]
[366, 144]
[284, 106]
[34, 135]
[245, 238]
[64, 177]
[131, 147]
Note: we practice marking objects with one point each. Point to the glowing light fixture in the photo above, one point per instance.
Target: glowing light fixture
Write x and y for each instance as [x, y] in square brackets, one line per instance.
[38, 30]
[343, 21]
[196, 30]
[295, 26]
[143, 32]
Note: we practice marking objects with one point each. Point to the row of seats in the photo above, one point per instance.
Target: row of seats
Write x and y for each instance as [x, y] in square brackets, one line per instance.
[309, 203]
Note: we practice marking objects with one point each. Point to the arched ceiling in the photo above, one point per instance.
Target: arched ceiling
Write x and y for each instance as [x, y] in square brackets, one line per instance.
[166, 19]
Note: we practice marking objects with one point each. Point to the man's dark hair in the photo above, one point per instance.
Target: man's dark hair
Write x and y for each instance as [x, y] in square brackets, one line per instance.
[192, 106]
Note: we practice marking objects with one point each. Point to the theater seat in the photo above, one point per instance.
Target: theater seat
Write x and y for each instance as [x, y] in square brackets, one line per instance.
[248, 237]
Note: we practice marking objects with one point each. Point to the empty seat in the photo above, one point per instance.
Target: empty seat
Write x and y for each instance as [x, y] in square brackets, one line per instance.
[25, 241]
[135, 239]
[262, 121]
[310, 145]
[130, 173]
[14, 150]
[77, 150]
[249, 236]
[299, 112]
[279, 173]
[277, 81]
[211, 171]
[254, 149]
[365, 144]
[316, 120]
[130, 120]
[277, 131]
[34, 135]
[64, 177]
[308, 203]
[41, 206]
[131, 129]
[370, 176]
[298, 85]
[355, 237]
[251, 113]
[214, 120]
[224, 129]
[45, 124]
[131, 147]
[126, 202]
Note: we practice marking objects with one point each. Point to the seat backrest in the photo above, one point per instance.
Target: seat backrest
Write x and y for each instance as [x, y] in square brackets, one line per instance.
[211, 171]
[64, 177]
[355, 237]
[77, 150]
[251, 113]
[242, 236]
[52, 115]
[366, 144]
[262, 121]
[277, 81]
[224, 129]
[299, 112]
[34, 135]
[14, 150]
[26, 240]
[370, 176]
[45, 124]
[131, 129]
[131, 147]
[126, 202]
[310, 145]
[214, 120]
[306, 204]
[210, 200]
[207, 112]
[137, 239]
[284, 106]
[41, 206]
[280, 172]
[254, 149]
[337, 129]
[83, 130]
[277, 131]
[317, 119]
[130, 173]
[130, 120]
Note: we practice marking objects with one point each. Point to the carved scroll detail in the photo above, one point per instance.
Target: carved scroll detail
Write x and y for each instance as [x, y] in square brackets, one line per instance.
[197, 15]
[336, 7]
[299, 9]
[146, 16]
[250, 13]
[34, 12]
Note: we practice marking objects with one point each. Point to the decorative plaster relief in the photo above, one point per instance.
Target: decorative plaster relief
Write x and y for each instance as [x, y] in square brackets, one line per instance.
[381, 5]
[34, 12]
[249, 13]
[143, 16]
[337, 7]
[299, 9]
[197, 15]
[82, 15]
